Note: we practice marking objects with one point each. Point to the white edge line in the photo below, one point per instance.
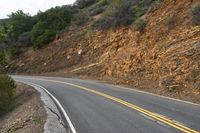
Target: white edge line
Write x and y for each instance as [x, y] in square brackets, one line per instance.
[58, 103]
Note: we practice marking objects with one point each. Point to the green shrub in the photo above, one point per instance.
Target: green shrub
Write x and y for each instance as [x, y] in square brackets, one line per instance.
[81, 18]
[139, 9]
[141, 25]
[119, 13]
[49, 23]
[12, 52]
[44, 39]
[99, 4]
[98, 7]
[24, 40]
[98, 11]
[123, 13]
[85, 3]
[20, 22]
[5, 29]
[170, 22]
[2, 32]
[37, 119]
[196, 14]
[142, 6]
[155, 5]
[2, 59]
[38, 30]
[7, 93]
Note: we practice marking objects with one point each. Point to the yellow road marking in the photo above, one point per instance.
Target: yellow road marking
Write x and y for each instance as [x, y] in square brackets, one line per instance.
[157, 117]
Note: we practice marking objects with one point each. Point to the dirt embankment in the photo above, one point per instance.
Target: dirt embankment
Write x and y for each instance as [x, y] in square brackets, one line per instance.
[160, 60]
[29, 116]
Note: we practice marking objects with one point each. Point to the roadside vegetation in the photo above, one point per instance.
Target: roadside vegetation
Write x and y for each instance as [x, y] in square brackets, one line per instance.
[7, 93]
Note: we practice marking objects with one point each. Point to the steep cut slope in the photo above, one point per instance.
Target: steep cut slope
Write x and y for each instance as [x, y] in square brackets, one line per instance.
[162, 60]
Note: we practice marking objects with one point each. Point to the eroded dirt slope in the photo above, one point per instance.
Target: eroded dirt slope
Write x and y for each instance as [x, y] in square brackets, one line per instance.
[159, 60]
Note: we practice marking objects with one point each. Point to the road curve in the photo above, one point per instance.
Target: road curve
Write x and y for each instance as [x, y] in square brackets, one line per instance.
[95, 107]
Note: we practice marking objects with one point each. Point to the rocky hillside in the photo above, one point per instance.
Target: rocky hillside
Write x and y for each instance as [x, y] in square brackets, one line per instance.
[163, 58]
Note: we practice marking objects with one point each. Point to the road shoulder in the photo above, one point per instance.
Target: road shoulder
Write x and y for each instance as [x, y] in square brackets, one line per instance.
[29, 114]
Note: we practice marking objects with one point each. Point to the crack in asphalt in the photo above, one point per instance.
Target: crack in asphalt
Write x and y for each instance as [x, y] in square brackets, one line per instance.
[59, 118]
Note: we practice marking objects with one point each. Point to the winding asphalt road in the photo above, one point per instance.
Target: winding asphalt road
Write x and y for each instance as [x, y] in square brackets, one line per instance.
[95, 107]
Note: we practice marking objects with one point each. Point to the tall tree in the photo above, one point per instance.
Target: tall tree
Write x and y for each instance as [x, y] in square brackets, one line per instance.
[21, 22]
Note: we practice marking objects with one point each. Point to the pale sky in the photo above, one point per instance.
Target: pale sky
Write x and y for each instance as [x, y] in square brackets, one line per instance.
[29, 6]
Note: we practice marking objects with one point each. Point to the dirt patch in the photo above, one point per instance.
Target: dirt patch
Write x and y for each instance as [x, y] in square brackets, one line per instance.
[29, 116]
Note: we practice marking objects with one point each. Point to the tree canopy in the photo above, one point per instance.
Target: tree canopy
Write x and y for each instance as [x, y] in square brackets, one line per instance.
[20, 22]
[41, 29]
[48, 24]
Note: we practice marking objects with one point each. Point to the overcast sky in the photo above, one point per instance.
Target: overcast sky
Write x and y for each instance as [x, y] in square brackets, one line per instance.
[29, 6]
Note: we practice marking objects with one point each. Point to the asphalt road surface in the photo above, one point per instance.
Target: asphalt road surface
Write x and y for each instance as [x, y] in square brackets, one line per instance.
[95, 107]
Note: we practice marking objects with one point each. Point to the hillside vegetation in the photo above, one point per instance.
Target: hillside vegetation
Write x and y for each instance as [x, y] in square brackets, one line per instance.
[150, 44]
[22, 31]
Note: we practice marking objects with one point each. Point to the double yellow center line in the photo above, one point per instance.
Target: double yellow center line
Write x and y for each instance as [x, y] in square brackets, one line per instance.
[150, 114]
